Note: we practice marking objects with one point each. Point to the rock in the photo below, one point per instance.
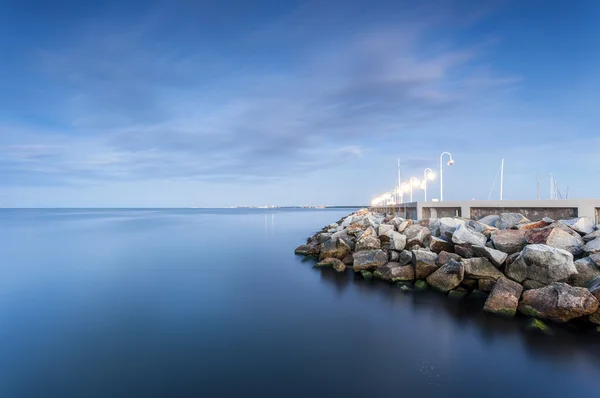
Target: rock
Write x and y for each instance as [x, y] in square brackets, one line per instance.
[406, 257]
[385, 230]
[424, 263]
[395, 272]
[434, 227]
[595, 258]
[421, 285]
[403, 225]
[397, 241]
[354, 230]
[510, 220]
[478, 295]
[448, 226]
[438, 245]
[368, 243]
[594, 288]
[405, 286]
[504, 298]
[558, 236]
[530, 284]
[587, 270]
[464, 235]
[323, 237]
[509, 241]
[458, 293]
[490, 220]
[582, 225]
[417, 235]
[495, 256]
[480, 268]
[543, 264]
[558, 302]
[367, 275]
[486, 285]
[370, 231]
[511, 258]
[348, 260]
[592, 246]
[307, 250]
[464, 251]
[328, 262]
[444, 257]
[536, 224]
[336, 248]
[470, 283]
[393, 256]
[369, 260]
[482, 228]
[537, 326]
[590, 237]
[595, 318]
[447, 277]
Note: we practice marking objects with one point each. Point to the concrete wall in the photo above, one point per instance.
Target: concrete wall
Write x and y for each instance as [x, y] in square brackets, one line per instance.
[532, 213]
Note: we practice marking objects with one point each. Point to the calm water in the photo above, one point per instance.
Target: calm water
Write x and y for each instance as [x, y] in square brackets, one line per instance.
[196, 303]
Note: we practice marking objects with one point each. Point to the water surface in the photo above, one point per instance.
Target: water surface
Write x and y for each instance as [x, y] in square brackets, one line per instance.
[198, 303]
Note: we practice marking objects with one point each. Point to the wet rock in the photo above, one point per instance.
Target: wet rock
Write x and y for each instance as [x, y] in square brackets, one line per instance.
[424, 263]
[368, 243]
[536, 224]
[464, 235]
[543, 264]
[480, 268]
[587, 271]
[558, 302]
[581, 225]
[594, 288]
[470, 283]
[336, 248]
[496, 257]
[458, 293]
[490, 220]
[504, 297]
[465, 251]
[395, 272]
[537, 326]
[486, 285]
[421, 285]
[398, 241]
[444, 257]
[417, 235]
[510, 220]
[406, 257]
[369, 260]
[367, 275]
[592, 246]
[447, 277]
[405, 286]
[438, 245]
[509, 241]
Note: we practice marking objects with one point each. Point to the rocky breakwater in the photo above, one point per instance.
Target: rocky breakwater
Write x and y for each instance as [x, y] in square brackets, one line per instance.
[546, 269]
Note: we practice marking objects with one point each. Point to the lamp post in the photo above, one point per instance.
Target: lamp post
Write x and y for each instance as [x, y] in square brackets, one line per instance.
[450, 163]
[427, 176]
[414, 181]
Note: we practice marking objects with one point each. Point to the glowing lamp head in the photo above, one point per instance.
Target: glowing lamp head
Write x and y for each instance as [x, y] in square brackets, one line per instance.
[450, 162]
[430, 176]
[416, 182]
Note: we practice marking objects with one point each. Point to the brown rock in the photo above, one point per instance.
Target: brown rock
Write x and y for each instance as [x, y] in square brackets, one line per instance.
[438, 245]
[480, 268]
[447, 277]
[486, 285]
[424, 263]
[336, 248]
[504, 298]
[535, 224]
[509, 240]
[465, 251]
[444, 257]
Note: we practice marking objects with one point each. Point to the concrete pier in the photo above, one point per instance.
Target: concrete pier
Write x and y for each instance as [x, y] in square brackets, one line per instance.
[476, 209]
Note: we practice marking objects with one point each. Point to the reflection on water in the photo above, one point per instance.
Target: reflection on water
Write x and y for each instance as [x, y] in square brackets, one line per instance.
[189, 303]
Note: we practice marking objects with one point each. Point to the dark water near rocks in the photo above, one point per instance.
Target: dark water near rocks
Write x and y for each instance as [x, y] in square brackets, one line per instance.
[199, 303]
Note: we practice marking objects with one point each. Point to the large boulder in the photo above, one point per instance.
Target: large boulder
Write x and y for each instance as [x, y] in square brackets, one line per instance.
[336, 248]
[592, 246]
[447, 277]
[417, 236]
[542, 263]
[424, 263]
[444, 257]
[369, 260]
[397, 241]
[438, 245]
[559, 236]
[510, 220]
[582, 225]
[394, 272]
[594, 288]
[587, 270]
[558, 302]
[504, 298]
[448, 225]
[368, 243]
[464, 235]
[480, 268]
[509, 241]
[497, 257]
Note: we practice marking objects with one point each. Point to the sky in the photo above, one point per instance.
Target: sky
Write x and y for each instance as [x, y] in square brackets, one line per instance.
[221, 103]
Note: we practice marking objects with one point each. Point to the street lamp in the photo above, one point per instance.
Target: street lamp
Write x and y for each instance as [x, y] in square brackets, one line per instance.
[427, 176]
[450, 163]
[414, 181]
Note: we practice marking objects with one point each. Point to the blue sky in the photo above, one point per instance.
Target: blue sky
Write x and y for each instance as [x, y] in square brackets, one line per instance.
[219, 103]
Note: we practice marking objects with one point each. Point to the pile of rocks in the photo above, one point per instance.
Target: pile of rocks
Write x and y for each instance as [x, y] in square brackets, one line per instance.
[544, 269]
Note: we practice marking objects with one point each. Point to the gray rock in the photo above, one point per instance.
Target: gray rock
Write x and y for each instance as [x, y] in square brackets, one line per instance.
[369, 260]
[592, 246]
[438, 245]
[385, 230]
[447, 277]
[496, 257]
[509, 241]
[393, 256]
[591, 236]
[348, 260]
[594, 288]
[582, 225]
[323, 237]
[398, 241]
[368, 243]
[543, 264]
[504, 298]
[417, 235]
[444, 257]
[558, 302]
[510, 220]
[562, 239]
[424, 263]
[587, 270]
[490, 220]
[465, 235]
[480, 268]
[406, 257]
[448, 225]
[434, 227]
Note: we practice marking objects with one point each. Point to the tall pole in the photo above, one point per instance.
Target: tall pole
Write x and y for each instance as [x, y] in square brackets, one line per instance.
[501, 178]
[425, 181]
[450, 162]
